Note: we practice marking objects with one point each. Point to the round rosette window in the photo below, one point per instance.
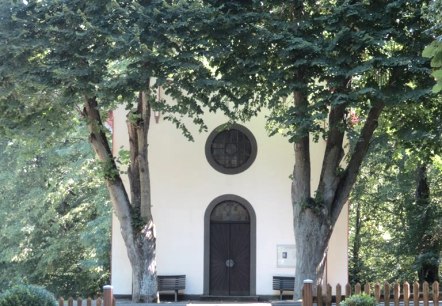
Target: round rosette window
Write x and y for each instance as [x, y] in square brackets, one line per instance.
[231, 149]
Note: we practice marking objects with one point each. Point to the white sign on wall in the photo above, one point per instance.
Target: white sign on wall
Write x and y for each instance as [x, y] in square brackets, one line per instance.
[286, 256]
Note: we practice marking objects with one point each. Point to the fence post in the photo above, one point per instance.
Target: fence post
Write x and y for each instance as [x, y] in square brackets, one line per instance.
[108, 295]
[307, 293]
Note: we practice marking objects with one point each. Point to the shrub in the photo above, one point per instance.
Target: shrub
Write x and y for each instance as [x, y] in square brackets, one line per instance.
[358, 300]
[27, 295]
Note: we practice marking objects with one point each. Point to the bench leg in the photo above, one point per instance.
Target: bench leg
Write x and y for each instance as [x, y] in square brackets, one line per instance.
[176, 295]
[280, 295]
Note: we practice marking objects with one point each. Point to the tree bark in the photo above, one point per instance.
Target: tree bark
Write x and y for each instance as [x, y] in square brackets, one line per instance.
[138, 230]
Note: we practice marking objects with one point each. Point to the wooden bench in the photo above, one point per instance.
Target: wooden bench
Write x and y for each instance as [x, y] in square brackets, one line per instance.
[171, 283]
[283, 283]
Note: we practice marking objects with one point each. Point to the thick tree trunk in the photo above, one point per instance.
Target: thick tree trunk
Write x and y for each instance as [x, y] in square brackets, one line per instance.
[144, 273]
[312, 234]
[136, 222]
[314, 219]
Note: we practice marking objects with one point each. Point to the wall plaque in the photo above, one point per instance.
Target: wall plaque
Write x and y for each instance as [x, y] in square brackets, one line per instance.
[286, 256]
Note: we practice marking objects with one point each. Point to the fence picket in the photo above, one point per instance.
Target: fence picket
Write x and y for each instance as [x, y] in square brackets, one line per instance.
[367, 288]
[426, 294]
[347, 290]
[397, 293]
[416, 293]
[89, 302]
[436, 293]
[338, 295]
[99, 301]
[358, 288]
[406, 294]
[71, 301]
[328, 297]
[319, 295]
[377, 292]
[386, 294]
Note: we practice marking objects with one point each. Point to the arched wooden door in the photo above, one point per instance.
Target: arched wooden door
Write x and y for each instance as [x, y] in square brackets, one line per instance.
[229, 250]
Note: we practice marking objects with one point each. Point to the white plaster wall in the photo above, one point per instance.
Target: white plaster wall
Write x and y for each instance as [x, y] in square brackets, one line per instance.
[337, 260]
[183, 185]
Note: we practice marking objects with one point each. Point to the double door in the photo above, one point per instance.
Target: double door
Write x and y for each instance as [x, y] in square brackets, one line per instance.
[229, 258]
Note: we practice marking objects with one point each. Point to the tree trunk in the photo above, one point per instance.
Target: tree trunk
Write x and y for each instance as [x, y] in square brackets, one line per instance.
[312, 234]
[136, 222]
[356, 256]
[427, 260]
[144, 273]
[310, 226]
[314, 219]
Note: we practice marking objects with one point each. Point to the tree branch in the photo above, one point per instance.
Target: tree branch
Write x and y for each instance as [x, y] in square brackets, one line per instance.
[333, 155]
[144, 109]
[349, 177]
[133, 170]
[301, 171]
[114, 184]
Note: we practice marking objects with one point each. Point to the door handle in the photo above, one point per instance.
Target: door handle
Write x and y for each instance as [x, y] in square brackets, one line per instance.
[230, 263]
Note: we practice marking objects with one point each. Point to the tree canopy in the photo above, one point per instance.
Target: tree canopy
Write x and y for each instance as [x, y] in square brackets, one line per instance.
[324, 70]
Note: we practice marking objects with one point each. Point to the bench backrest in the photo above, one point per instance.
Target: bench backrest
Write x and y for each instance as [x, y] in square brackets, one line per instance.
[283, 283]
[171, 282]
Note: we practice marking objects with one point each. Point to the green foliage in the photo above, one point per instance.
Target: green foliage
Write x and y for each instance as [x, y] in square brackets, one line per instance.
[434, 51]
[233, 58]
[27, 295]
[393, 236]
[359, 300]
[329, 51]
[55, 212]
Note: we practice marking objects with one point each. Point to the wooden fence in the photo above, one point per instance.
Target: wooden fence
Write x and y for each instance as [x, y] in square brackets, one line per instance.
[107, 300]
[383, 293]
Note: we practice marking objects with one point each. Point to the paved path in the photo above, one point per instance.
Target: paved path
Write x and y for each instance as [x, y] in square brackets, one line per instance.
[123, 302]
[214, 303]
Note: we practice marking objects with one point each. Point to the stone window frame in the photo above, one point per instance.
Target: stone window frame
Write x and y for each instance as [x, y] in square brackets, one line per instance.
[243, 167]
